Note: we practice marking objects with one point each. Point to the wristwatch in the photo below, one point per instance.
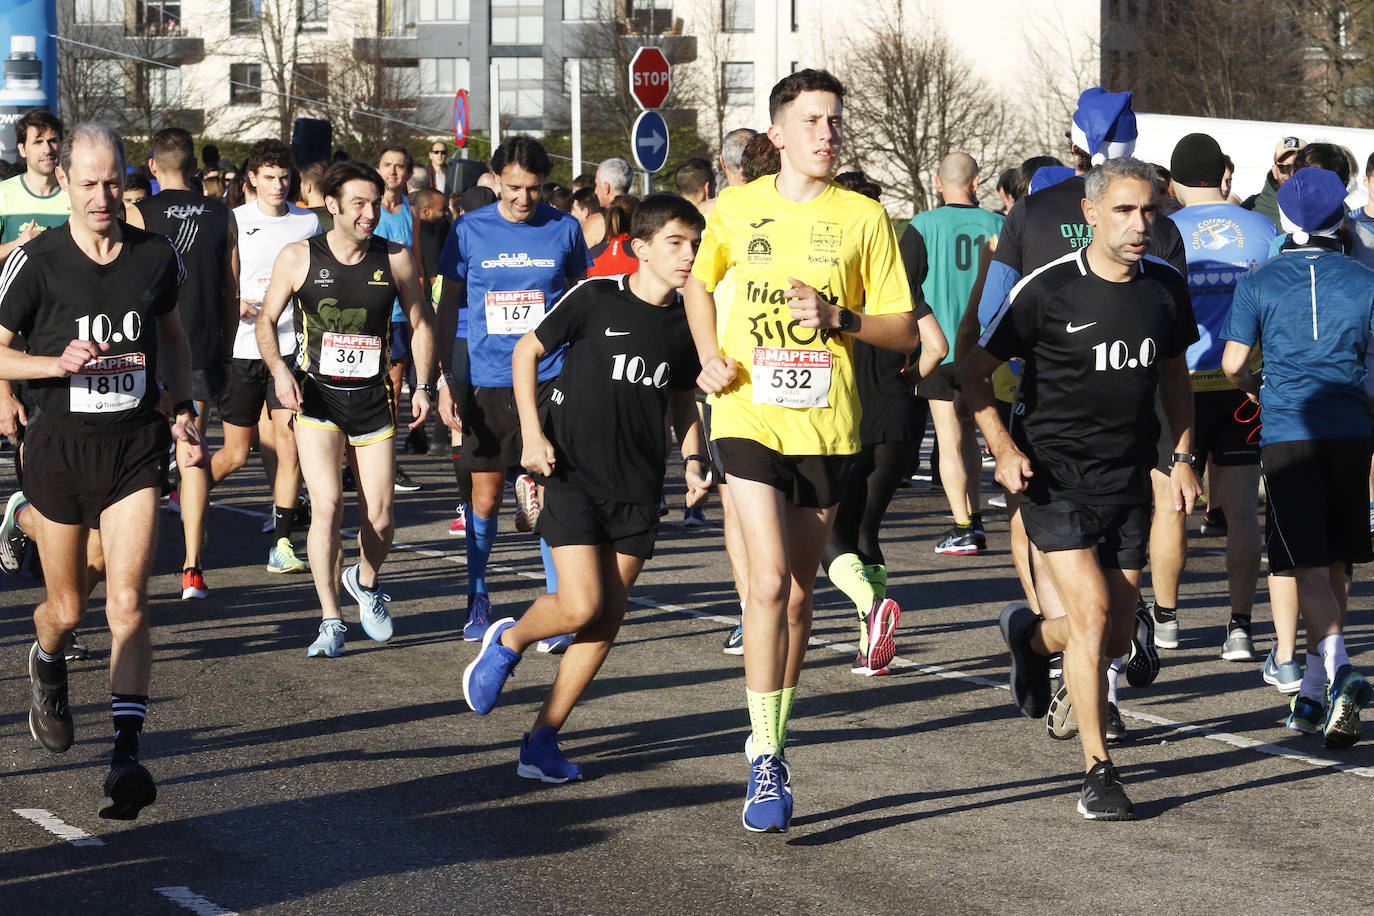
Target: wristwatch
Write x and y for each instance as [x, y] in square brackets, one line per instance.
[427, 389]
[1186, 457]
[845, 322]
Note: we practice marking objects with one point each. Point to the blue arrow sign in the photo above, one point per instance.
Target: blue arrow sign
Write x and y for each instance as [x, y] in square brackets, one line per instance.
[649, 141]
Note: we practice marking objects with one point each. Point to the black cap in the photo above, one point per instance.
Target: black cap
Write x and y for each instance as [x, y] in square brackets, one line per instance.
[1198, 162]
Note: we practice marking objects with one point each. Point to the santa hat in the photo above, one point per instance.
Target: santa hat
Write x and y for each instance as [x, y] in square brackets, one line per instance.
[1312, 202]
[1047, 176]
[1104, 125]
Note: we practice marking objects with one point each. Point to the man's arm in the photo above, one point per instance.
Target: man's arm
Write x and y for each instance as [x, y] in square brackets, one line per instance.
[1235, 362]
[1176, 397]
[934, 346]
[687, 425]
[536, 454]
[288, 274]
[134, 217]
[974, 376]
[408, 288]
[231, 288]
[27, 235]
[717, 371]
[174, 362]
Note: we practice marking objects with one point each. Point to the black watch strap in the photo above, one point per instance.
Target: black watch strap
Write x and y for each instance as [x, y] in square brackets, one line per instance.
[1186, 457]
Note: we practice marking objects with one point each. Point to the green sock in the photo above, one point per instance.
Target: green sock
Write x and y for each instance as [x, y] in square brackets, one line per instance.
[847, 573]
[877, 576]
[763, 717]
[784, 713]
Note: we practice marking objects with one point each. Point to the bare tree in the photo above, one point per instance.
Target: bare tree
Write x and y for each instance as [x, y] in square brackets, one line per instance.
[1338, 40]
[1063, 61]
[703, 86]
[369, 102]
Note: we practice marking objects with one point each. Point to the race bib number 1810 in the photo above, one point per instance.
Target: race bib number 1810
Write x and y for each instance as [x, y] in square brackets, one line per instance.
[791, 377]
[110, 384]
[514, 311]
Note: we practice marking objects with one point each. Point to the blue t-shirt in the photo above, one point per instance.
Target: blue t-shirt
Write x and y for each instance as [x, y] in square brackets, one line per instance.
[515, 272]
[1221, 242]
[397, 227]
[1361, 236]
[1311, 310]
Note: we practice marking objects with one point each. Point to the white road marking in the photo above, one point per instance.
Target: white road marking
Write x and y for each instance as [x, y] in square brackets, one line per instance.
[58, 827]
[187, 899]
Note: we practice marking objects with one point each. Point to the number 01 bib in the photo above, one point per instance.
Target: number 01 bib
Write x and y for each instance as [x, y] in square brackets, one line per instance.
[514, 311]
[110, 384]
[353, 356]
[791, 377]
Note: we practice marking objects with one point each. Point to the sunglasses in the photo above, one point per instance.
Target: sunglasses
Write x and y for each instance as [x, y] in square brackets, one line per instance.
[437, 152]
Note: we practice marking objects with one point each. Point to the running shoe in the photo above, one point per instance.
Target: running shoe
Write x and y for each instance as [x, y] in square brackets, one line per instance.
[526, 503]
[486, 674]
[766, 810]
[14, 543]
[373, 612]
[1213, 523]
[1166, 631]
[734, 643]
[782, 759]
[998, 500]
[76, 649]
[479, 617]
[330, 642]
[129, 788]
[876, 645]
[1103, 798]
[662, 508]
[174, 502]
[1306, 715]
[693, 518]
[1030, 671]
[459, 526]
[1143, 666]
[1060, 721]
[958, 542]
[1116, 728]
[193, 583]
[404, 482]
[283, 559]
[50, 718]
[1287, 677]
[1238, 647]
[1350, 693]
[557, 645]
[541, 759]
[1371, 518]
[980, 537]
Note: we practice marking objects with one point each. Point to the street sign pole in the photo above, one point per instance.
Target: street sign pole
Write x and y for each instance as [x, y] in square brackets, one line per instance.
[650, 82]
[495, 107]
[576, 87]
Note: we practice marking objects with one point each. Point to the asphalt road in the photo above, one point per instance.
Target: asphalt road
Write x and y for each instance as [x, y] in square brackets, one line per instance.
[364, 785]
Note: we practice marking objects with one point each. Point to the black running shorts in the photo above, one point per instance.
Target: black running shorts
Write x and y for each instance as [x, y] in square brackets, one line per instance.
[1119, 533]
[1316, 511]
[491, 428]
[364, 415]
[939, 385]
[249, 387]
[573, 516]
[72, 475]
[208, 384]
[813, 481]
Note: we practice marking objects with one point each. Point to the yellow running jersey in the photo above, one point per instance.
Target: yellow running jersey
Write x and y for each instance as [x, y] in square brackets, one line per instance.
[794, 391]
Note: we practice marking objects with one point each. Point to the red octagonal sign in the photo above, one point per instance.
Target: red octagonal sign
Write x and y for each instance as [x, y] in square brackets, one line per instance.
[650, 78]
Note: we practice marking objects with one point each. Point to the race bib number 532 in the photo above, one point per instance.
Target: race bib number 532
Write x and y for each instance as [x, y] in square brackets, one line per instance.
[791, 377]
[514, 311]
[110, 384]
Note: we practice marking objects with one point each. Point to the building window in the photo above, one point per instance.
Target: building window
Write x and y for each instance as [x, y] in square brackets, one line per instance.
[398, 16]
[650, 17]
[312, 82]
[598, 76]
[314, 15]
[444, 75]
[88, 12]
[244, 15]
[586, 10]
[444, 10]
[1114, 10]
[522, 86]
[400, 85]
[796, 15]
[106, 75]
[737, 78]
[157, 17]
[160, 87]
[245, 84]
[737, 15]
[517, 22]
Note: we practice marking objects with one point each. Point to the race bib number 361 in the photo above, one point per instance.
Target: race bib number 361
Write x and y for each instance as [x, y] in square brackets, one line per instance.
[110, 384]
[514, 311]
[791, 377]
[352, 356]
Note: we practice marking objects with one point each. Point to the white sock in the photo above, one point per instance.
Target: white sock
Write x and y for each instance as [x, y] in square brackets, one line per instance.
[1333, 655]
[1314, 679]
[1113, 674]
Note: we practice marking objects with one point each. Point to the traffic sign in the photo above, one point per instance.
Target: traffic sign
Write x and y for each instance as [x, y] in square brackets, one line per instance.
[460, 118]
[649, 140]
[650, 78]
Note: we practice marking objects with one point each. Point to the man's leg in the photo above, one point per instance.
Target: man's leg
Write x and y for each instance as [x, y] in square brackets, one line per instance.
[1168, 557]
[238, 442]
[1236, 489]
[376, 495]
[195, 499]
[320, 452]
[55, 619]
[286, 485]
[1021, 551]
[954, 476]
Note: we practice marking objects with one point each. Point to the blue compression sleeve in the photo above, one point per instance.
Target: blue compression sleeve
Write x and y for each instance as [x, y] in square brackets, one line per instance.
[996, 287]
[550, 574]
[481, 536]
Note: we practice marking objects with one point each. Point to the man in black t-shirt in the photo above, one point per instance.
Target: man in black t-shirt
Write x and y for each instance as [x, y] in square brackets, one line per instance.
[96, 302]
[1100, 331]
[630, 355]
[206, 237]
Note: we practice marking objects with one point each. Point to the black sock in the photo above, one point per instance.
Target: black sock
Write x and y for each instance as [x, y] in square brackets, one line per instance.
[129, 710]
[1165, 613]
[976, 519]
[1238, 621]
[283, 517]
[52, 669]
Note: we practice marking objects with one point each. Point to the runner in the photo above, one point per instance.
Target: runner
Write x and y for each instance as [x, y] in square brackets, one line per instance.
[343, 284]
[1100, 330]
[506, 263]
[816, 268]
[1316, 447]
[96, 301]
[629, 360]
[206, 237]
[34, 200]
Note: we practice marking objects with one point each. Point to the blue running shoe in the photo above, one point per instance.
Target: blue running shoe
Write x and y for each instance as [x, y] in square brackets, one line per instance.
[766, 810]
[486, 674]
[479, 617]
[557, 645]
[1350, 693]
[541, 759]
[1287, 677]
[330, 642]
[1305, 715]
[373, 613]
[734, 643]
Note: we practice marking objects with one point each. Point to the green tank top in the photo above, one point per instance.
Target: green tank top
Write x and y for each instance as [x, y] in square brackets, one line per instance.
[953, 235]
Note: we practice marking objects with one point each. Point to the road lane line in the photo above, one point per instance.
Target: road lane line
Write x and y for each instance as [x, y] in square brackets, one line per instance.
[188, 899]
[58, 827]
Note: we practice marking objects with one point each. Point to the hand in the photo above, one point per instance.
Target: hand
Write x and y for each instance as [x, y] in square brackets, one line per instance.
[12, 415]
[249, 308]
[77, 355]
[698, 487]
[190, 448]
[1013, 470]
[808, 308]
[165, 402]
[419, 408]
[717, 374]
[288, 392]
[536, 455]
[1186, 489]
[448, 409]
[31, 232]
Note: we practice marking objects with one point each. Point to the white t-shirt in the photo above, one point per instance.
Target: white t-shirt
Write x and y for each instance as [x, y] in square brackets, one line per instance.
[261, 239]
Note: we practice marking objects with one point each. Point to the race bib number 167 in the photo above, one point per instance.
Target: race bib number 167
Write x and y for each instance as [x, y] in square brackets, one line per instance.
[514, 311]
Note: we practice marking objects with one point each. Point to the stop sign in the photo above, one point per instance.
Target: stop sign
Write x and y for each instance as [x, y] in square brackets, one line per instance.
[650, 78]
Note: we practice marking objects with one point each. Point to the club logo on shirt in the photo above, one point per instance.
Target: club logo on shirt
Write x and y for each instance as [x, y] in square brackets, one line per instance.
[1220, 232]
[760, 250]
[253, 230]
[186, 212]
[827, 236]
[324, 278]
[377, 278]
[520, 260]
[1078, 235]
[761, 223]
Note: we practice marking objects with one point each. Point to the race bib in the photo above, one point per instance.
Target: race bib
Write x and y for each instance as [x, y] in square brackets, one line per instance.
[791, 378]
[355, 356]
[110, 384]
[514, 311]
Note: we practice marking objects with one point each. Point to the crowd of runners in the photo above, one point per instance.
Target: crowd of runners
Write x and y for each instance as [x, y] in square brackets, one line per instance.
[1115, 330]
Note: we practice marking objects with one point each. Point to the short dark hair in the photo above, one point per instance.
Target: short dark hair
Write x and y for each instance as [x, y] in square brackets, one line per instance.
[174, 151]
[760, 158]
[585, 180]
[1327, 156]
[658, 210]
[314, 173]
[692, 174]
[1026, 171]
[794, 84]
[410, 160]
[209, 154]
[268, 152]
[859, 183]
[140, 179]
[524, 151]
[561, 198]
[586, 199]
[38, 118]
[341, 173]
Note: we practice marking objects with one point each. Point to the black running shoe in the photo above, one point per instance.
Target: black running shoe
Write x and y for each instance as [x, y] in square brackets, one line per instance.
[1116, 728]
[50, 718]
[128, 789]
[1143, 666]
[76, 649]
[1103, 798]
[404, 482]
[1030, 671]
